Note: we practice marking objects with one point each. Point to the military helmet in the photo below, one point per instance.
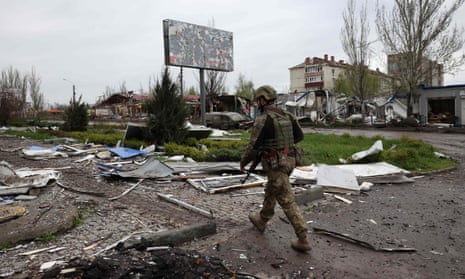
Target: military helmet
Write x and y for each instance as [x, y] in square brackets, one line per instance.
[266, 92]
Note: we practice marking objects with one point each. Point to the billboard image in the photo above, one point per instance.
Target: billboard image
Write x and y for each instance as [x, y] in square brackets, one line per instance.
[196, 46]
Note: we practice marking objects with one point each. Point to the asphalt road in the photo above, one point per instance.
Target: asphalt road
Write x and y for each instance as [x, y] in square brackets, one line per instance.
[427, 215]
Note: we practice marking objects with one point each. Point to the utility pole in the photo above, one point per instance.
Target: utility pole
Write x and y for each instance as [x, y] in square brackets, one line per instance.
[74, 90]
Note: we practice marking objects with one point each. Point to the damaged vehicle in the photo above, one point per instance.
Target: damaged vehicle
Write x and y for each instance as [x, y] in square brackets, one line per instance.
[227, 120]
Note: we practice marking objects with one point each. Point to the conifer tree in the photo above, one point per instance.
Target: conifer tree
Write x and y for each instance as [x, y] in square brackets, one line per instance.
[167, 112]
[76, 117]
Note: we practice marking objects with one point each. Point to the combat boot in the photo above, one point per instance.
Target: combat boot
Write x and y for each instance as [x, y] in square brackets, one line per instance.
[301, 244]
[258, 222]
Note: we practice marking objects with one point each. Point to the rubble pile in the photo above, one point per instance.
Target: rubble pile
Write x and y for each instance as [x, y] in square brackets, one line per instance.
[165, 262]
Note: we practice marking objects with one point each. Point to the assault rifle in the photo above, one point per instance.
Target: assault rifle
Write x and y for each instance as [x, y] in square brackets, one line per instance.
[255, 162]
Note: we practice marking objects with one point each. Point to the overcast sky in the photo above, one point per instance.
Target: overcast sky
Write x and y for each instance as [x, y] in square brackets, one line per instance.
[95, 44]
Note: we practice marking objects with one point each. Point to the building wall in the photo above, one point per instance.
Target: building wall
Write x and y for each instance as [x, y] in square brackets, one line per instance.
[440, 93]
[315, 73]
[297, 79]
[433, 75]
[330, 76]
[321, 73]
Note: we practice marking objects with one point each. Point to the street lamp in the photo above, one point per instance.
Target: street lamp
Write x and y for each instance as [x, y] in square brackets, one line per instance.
[74, 89]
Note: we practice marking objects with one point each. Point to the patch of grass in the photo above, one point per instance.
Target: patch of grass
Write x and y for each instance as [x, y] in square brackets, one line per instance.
[46, 237]
[78, 220]
[83, 213]
[6, 245]
[38, 134]
[414, 155]
[406, 153]
[328, 149]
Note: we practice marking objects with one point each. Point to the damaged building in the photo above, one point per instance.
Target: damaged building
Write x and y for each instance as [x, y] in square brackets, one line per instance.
[442, 104]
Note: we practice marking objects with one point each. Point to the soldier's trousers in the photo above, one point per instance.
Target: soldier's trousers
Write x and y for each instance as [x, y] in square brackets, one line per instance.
[278, 189]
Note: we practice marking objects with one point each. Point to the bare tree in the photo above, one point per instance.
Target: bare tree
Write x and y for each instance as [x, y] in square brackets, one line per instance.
[419, 33]
[15, 84]
[36, 96]
[214, 86]
[244, 88]
[122, 87]
[354, 39]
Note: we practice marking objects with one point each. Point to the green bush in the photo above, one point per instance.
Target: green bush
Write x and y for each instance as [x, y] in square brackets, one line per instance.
[224, 155]
[172, 149]
[17, 123]
[216, 150]
[191, 141]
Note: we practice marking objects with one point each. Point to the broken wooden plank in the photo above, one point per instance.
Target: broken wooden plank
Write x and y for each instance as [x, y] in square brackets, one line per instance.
[177, 236]
[185, 205]
[36, 251]
[127, 191]
[343, 199]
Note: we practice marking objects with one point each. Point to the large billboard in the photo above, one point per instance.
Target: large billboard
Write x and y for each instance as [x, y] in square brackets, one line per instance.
[196, 46]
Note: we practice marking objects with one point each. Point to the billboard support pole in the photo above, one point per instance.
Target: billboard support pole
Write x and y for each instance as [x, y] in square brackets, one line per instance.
[202, 96]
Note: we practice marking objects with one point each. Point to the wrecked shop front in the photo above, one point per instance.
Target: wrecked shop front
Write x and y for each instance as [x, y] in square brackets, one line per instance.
[443, 104]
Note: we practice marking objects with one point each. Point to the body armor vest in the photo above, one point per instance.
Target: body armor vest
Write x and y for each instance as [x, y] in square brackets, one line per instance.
[283, 136]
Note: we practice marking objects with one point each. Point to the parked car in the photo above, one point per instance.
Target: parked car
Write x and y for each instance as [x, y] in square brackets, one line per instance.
[227, 120]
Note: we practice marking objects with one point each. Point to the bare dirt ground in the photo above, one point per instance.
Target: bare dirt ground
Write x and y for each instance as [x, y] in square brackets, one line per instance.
[427, 215]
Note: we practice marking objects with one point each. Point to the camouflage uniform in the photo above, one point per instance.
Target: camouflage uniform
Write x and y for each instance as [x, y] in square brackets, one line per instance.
[278, 188]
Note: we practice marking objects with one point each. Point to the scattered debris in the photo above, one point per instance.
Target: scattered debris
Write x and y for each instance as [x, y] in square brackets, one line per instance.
[121, 241]
[127, 191]
[279, 263]
[389, 179]
[225, 183]
[248, 194]
[21, 181]
[97, 194]
[152, 168]
[343, 199]
[37, 251]
[185, 205]
[335, 179]
[436, 253]
[42, 153]
[175, 237]
[441, 155]
[126, 152]
[376, 148]
[308, 174]
[315, 192]
[347, 237]
[366, 186]
[48, 265]
[159, 263]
